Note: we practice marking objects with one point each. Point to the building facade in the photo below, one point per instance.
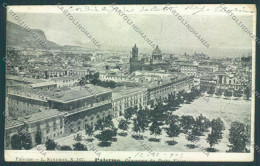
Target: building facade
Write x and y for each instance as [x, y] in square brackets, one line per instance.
[154, 62]
[163, 89]
[132, 97]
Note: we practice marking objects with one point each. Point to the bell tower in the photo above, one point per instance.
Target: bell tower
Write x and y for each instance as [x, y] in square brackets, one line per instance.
[135, 52]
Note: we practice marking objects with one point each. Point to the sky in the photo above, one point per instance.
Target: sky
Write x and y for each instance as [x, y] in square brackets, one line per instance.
[113, 32]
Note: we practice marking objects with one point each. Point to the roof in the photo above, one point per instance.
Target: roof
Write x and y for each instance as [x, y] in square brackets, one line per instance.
[23, 79]
[118, 92]
[189, 65]
[63, 78]
[42, 115]
[42, 84]
[168, 81]
[79, 92]
[11, 122]
[207, 77]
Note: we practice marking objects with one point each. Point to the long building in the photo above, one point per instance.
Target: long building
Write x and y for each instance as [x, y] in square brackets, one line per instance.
[57, 114]
[164, 88]
[62, 112]
[83, 105]
[126, 98]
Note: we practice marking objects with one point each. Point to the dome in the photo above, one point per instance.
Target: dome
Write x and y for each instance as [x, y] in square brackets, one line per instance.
[157, 51]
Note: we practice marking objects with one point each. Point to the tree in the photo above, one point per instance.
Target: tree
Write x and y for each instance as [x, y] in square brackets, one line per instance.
[219, 92]
[237, 93]
[129, 112]
[186, 97]
[156, 114]
[211, 90]
[79, 147]
[78, 137]
[201, 125]
[50, 144]
[195, 92]
[38, 137]
[142, 120]
[106, 137]
[16, 142]
[237, 137]
[205, 123]
[179, 99]
[190, 97]
[173, 131]
[65, 148]
[247, 92]
[217, 126]
[108, 123]
[172, 103]
[170, 118]
[136, 127]
[89, 130]
[26, 140]
[96, 76]
[152, 103]
[123, 125]
[187, 123]
[155, 129]
[99, 125]
[227, 93]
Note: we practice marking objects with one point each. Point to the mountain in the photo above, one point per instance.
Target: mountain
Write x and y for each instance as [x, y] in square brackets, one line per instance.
[17, 36]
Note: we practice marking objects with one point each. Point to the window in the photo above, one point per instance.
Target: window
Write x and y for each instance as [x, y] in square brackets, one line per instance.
[54, 125]
[47, 128]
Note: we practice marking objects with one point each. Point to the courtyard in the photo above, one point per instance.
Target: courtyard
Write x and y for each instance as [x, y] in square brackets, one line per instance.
[211, 107]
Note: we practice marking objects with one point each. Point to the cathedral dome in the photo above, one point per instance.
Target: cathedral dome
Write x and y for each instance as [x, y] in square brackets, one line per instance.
[157, 51]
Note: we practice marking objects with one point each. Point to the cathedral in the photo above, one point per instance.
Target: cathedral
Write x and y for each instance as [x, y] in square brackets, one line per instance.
[147, 63]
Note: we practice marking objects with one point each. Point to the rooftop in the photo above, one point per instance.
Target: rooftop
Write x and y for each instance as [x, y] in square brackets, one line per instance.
[64, 78]
[79, 92]
[122, 91]
[11, 122]
[42, 115]
[43, 84]
[24, 79]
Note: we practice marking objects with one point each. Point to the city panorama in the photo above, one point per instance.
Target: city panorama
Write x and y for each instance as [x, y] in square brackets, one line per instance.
[117, 85]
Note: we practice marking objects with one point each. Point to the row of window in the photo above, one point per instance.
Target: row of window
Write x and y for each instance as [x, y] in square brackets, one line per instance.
[54, 135]
[68, 81]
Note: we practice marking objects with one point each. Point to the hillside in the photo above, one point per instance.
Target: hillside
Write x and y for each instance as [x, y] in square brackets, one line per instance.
[17, 36]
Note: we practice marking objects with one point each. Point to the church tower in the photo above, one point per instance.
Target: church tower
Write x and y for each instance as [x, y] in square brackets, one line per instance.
[135, 63]
[135, 52]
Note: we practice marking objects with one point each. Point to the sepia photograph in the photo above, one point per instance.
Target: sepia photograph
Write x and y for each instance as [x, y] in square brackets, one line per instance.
[130, 83]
